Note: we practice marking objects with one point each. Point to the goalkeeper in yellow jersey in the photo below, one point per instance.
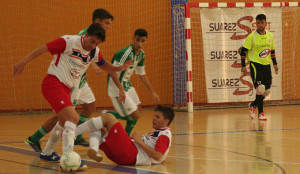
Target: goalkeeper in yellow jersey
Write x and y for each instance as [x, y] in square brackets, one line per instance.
[259, 49]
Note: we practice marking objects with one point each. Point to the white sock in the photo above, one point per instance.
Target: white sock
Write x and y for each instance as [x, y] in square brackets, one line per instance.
[90, 125]
[53, 140]
[95, 138]
[68, 137]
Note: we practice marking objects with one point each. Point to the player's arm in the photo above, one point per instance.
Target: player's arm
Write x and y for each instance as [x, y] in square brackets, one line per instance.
[54, 47]
[96, 68]
[243, 52]
[115, 79]
[273, 57]
[146, 82]
[19, 67]
[151, 152]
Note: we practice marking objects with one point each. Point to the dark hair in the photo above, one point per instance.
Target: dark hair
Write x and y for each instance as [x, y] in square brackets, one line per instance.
[261, 17]
[167, 112]
[96, 29]
[140, 32]
[101, 14]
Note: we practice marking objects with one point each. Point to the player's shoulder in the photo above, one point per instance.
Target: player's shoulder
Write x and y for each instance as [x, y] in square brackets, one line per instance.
[252, 34]
[124, 50]
[269, 33]
[82, 32]
[70, 37]
[165, 131]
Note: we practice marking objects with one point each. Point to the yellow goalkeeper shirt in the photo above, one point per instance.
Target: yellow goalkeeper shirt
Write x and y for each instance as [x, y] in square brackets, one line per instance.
[259, 47]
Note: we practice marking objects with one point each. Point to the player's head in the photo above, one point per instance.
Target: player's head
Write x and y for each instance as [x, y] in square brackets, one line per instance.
[163, 116]
[94, 36]
[139, 39]
[102, 17]
[261, 22]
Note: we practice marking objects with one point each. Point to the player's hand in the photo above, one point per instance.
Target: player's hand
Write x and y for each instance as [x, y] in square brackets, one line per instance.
[18, 69]
[244, 70]
[276, 69]
[136, 137]
[122, 96]
[155, 97]
[126, 65]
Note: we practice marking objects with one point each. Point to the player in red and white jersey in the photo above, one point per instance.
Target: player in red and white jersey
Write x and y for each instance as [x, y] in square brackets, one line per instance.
[151, 148]
[162, 136]
[81, 94]
[72, 56]
[71, 60]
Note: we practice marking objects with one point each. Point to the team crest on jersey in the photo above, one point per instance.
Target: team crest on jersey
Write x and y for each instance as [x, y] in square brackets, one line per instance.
[84, 59]
[264, 53]
[75, 73]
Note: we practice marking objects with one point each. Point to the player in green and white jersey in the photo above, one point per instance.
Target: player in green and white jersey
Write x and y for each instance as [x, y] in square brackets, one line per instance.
[81, 95]
[130, 110]
[259, 48]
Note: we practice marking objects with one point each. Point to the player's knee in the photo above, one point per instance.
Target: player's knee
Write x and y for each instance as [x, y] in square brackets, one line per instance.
[89, 108]
[267, 92]
[260, 90]
[135, 115]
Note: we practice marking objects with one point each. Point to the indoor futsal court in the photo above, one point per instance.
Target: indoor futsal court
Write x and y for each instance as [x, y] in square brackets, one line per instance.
[194, 56]
[207, 141]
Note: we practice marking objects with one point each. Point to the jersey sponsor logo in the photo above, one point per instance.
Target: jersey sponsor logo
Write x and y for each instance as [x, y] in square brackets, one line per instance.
[84, 58]
[75, 73]
[264, 53]
[76, 64]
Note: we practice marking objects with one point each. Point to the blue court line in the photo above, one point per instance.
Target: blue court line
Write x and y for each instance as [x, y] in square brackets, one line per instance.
[239, 131]
[88, 163]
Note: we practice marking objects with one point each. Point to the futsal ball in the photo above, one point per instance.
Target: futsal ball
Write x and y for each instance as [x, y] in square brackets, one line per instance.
[70, 161]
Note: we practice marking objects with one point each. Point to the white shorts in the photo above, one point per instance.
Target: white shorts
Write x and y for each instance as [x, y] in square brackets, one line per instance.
[83, 95]
[129, 106]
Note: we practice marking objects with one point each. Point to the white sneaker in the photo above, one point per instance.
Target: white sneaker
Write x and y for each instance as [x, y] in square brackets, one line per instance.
[262, 116]
[251, 111]
[82, 166]
[94, 155]
[104, 111]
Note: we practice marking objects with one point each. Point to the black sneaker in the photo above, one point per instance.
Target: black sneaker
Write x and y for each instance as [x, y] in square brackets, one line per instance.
[82, 142]
[35, 146]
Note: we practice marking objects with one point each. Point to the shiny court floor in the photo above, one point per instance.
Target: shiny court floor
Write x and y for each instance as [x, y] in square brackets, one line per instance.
[214, 141]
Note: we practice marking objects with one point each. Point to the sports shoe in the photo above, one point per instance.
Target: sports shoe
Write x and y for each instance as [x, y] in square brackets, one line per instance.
[104, 111]
[82, 166]
[35, 146]
[251, 111]
[53, 157]
[82, 142]
[262, 116]
[94, 155]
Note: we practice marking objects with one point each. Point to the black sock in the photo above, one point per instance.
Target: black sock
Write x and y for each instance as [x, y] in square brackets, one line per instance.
[255, 102]
[260, 100]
